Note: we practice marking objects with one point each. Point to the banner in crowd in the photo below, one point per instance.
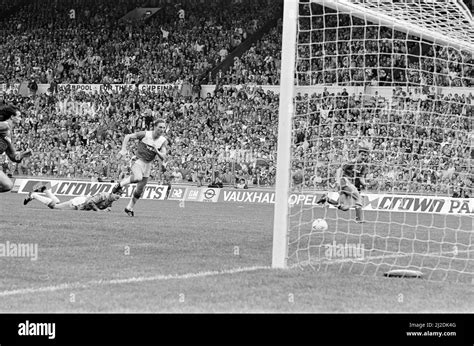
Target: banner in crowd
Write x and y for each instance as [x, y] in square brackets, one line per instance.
[205, 89]
[9, 89]
[84, 188]
[92, 88]
[109, 88]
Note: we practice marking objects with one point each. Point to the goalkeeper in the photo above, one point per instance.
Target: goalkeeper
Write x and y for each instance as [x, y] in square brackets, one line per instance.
[352, 179]
[100, 202]
[9, 116]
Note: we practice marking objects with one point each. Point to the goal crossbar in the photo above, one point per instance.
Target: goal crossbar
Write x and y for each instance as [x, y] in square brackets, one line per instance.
[444, 22]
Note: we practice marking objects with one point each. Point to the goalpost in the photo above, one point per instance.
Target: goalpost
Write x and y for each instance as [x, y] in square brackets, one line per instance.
[383, 72]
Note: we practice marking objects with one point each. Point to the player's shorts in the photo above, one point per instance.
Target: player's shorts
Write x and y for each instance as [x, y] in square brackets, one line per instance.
[141, 169]
[77, 202]
[350, 196]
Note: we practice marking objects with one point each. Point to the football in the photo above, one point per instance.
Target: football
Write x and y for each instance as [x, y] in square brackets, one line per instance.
[320, 225]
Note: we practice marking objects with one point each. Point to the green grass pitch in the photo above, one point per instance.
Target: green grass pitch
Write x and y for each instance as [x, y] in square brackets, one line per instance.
[186, 259]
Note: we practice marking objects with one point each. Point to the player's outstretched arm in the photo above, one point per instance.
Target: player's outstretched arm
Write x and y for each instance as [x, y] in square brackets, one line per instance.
[136, 135]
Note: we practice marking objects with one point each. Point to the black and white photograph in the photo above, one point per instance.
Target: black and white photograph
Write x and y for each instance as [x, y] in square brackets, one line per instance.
[231, 158]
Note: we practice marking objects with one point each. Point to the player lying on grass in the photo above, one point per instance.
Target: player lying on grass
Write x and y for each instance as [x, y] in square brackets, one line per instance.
[100, 202]
[9, 117]
[351, 180]
[151, 144]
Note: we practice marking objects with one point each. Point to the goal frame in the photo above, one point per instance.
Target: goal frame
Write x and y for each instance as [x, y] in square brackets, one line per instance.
[421, 31]
[287, 91]
[286, 110]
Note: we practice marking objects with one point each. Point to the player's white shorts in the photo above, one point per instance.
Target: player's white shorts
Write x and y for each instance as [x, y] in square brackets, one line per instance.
[350, 196]
[76, 202]
[141, 169]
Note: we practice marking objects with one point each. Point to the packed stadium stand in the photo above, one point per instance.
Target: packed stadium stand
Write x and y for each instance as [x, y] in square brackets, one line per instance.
[231, 132]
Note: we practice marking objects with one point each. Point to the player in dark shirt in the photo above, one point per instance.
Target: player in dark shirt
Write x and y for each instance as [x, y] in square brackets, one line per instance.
[351, 181]
[9, 116]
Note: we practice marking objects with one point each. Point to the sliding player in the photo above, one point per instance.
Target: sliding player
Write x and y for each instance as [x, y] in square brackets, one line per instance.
[9, 117]
[102, 201]
[352, 180]
[152, 144]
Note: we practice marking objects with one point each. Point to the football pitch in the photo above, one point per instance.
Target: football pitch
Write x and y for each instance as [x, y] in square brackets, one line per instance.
[194, 257]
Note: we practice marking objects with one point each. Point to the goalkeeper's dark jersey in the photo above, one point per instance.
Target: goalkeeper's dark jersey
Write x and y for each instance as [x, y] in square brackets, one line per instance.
[354, 170]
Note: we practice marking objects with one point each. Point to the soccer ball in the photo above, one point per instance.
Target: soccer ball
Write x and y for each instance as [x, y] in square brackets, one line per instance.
[320, 225]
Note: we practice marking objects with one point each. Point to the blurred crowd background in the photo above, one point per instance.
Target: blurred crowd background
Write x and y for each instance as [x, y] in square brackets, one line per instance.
[421, 140]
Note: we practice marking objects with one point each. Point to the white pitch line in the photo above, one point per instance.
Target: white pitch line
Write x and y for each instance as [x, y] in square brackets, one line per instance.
[79, 285]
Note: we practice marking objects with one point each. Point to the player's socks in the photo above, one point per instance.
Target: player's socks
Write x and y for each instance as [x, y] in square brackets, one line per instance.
[39, 198]
[132, 203]
[28, 199]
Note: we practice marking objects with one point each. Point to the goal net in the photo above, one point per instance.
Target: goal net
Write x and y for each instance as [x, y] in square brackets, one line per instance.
[397, 77]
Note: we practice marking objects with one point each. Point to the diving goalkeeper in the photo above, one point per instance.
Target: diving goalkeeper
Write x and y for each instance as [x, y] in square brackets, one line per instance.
[351, 181]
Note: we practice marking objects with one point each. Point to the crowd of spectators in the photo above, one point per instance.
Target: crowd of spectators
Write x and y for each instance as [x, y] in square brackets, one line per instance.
[92, 45]
[260, 64]
[353, 51]
[186, 40]
[419, 142]
[335, 48]
[225, 136]
[8, 5]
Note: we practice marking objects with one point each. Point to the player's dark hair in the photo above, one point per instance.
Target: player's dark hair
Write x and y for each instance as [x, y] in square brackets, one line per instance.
[158, 121]
[8, 111]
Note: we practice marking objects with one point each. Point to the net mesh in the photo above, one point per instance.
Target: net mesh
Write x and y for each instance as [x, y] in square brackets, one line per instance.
[410, 100]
